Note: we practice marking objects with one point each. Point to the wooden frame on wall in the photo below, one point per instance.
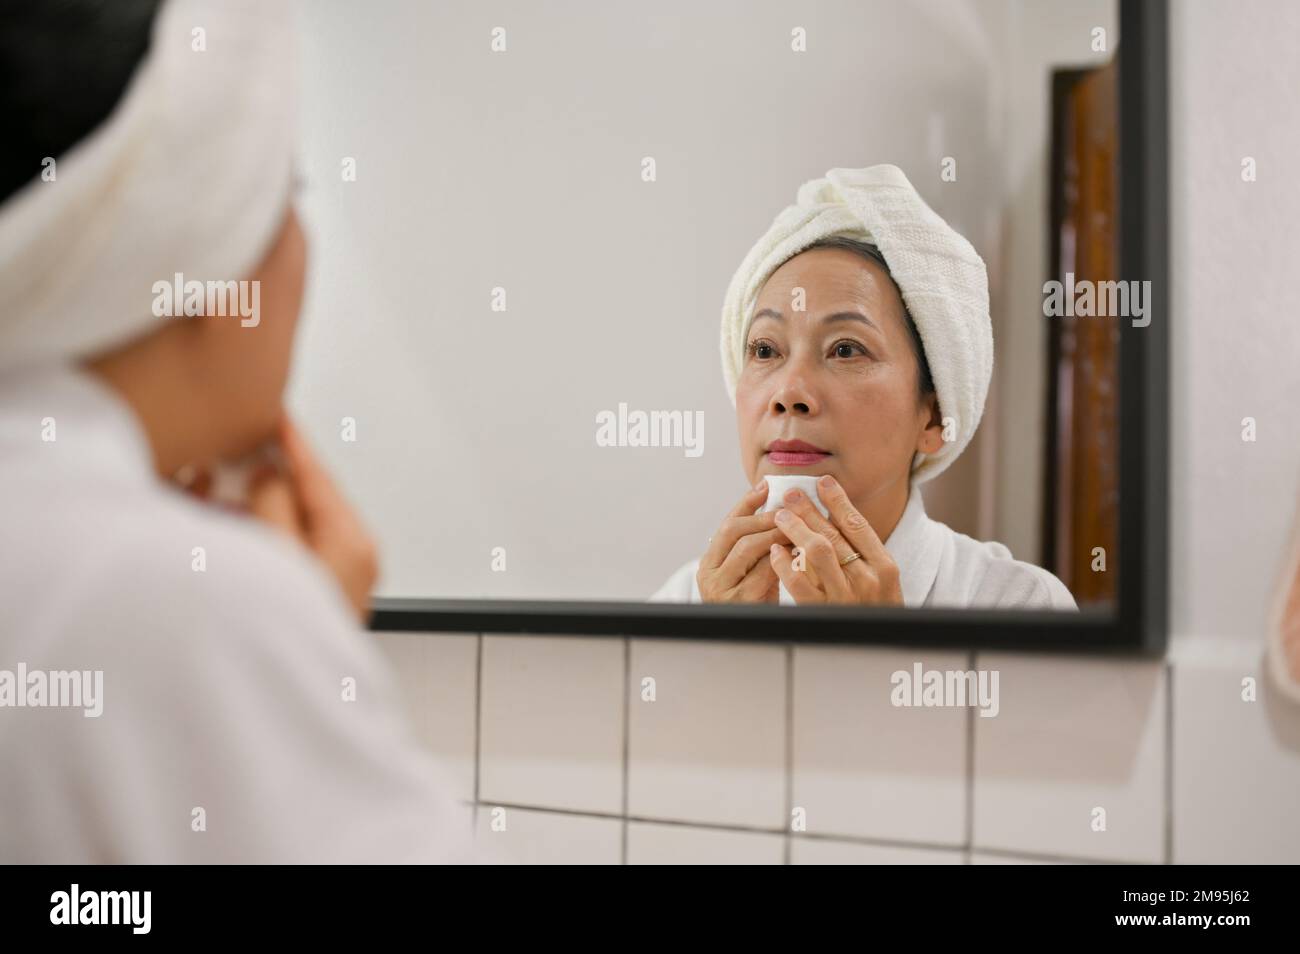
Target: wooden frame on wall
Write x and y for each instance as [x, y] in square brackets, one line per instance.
[1137, 624]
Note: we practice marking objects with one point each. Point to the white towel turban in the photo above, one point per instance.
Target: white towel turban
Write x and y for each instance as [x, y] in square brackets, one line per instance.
[190, 173]
[942, 278]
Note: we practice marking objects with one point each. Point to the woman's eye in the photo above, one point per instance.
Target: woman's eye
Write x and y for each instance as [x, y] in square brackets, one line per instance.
[760, 349]
[847, 349]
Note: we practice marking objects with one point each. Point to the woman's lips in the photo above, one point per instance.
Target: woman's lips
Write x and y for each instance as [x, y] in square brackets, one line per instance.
[795, 458]
[795, 453]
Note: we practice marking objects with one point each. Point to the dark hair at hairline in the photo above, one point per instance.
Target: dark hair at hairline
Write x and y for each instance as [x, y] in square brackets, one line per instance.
[64, 67]
[925, 383]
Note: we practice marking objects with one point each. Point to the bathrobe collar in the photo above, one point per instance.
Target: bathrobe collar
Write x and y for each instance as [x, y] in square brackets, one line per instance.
[916, 544]
[95, 431]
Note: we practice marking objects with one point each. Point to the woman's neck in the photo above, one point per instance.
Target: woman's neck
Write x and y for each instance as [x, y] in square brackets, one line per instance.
[884, 509]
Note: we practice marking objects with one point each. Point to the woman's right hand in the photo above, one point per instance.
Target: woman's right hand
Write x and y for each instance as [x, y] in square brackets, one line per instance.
[304, 503]
[736, 568]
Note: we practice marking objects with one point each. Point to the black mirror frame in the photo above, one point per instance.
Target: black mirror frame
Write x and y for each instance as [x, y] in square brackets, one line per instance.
[1138, 625]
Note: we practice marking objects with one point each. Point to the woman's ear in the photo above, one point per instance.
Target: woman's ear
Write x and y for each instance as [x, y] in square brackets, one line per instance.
[931, 437]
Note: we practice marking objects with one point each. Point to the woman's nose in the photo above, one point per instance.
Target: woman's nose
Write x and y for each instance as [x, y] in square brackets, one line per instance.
[793, 395]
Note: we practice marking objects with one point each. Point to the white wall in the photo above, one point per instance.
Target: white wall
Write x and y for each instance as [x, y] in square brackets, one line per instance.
[1187, 772]
[1233, 504]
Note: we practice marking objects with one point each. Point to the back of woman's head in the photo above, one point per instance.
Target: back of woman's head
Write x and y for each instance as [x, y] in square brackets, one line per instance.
[64, 65]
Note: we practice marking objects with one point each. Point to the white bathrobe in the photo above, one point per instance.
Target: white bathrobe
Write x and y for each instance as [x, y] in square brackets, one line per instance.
[937, 567]
[223, 689]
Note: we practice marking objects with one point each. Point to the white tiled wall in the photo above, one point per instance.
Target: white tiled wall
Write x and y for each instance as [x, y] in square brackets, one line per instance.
[1236, 765]
[527, 836]
[771, 753]
[709, 746]
[863, 768]
[551, 723]
[1074, 762]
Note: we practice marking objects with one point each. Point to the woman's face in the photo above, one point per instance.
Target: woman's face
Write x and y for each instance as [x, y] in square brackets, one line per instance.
[839, 375]
[244, 369]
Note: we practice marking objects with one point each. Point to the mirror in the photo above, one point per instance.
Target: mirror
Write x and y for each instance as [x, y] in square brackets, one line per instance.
[524, 222]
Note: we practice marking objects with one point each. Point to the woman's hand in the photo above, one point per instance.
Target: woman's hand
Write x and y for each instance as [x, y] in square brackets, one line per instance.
[736, 567]
[302, 501]
[871, 579]
[1288, 632]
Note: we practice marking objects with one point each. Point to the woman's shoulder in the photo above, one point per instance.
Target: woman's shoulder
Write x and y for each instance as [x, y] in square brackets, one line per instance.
[681, 586]
[995, 579]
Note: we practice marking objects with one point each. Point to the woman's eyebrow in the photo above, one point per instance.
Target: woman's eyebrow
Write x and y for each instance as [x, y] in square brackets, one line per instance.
[828, 319]
[850, 316]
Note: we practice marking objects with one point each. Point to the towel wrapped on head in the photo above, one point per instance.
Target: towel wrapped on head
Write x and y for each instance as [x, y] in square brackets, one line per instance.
[942, 279]
[190, 173]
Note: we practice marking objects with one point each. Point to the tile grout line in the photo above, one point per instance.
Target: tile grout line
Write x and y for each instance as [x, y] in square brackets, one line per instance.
[1169, 763]
[627, 731]
[478, 719]
[786, 851]
[970, 768]
[1059, 859]
[835, 838]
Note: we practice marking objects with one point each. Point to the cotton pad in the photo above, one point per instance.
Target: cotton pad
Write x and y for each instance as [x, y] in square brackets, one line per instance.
[778, 484]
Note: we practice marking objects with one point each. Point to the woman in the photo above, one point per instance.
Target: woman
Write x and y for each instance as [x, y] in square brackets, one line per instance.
[857, 347]
[245, 716]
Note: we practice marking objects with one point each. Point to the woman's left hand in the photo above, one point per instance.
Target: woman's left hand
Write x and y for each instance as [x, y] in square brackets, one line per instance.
[871, 578]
